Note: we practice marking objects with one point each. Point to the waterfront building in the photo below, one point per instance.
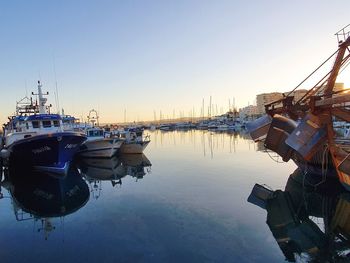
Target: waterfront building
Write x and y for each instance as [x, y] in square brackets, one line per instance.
[266, 98]
[248, 112]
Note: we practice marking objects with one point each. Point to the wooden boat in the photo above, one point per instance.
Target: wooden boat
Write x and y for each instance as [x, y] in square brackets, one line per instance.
[313, 141]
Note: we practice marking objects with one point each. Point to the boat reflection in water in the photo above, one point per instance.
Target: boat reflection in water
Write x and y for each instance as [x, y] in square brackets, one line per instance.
[114, 169]
[309, 225]
[42, 198]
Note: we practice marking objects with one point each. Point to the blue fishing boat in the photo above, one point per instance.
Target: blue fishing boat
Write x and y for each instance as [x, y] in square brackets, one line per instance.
[36, 137]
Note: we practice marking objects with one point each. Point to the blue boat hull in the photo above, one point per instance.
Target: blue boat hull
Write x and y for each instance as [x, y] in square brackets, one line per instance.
[49, 152]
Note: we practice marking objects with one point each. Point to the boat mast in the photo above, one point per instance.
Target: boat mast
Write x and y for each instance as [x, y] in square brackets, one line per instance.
[42, 100]
[336, 67]
[337, 153]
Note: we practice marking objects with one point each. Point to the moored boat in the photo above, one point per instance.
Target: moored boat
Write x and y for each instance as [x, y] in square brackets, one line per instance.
[99, 143]
[133, 140]
[36, 138]
[313, 141]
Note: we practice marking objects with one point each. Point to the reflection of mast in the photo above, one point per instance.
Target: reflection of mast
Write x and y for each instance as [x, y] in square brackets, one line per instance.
[203, 141]
[211, 146]
[95, 189]
[47, 227]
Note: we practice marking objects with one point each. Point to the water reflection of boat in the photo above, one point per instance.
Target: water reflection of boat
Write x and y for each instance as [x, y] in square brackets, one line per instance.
[42, 198]
[135, 164]
[99, 168]
[115, 168]
[308, 223]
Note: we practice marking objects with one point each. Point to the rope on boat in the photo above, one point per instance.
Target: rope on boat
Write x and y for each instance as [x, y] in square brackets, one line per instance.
[325, 158]
[324, 169]
[272, 158]
[313, 72]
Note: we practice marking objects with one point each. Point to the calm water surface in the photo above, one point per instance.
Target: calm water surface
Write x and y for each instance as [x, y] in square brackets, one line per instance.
[185, 200]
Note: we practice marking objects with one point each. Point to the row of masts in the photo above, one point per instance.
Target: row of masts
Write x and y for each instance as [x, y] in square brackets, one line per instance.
[205, 112]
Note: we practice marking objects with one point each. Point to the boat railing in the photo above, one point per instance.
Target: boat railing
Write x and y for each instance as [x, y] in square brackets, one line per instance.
[147, 138]
[343, 34]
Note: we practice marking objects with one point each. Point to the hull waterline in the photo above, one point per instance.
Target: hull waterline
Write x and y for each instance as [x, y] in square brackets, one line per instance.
[50, 153]
[101, 148]
[134, 147]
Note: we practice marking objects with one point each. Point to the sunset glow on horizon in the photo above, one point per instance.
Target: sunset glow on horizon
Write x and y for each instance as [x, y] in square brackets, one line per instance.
[137, 60]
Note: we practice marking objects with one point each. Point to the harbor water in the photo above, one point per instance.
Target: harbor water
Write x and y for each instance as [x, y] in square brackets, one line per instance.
[185, 200]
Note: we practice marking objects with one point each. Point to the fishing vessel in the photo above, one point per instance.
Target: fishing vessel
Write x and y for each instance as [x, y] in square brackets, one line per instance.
[36, 137]
[303, 130]
[167, 127]
[133, 140]
[99, 144]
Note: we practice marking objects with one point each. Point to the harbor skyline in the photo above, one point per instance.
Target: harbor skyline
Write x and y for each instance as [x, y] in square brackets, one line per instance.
[146, 57]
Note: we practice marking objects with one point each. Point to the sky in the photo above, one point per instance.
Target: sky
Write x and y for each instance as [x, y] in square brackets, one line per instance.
[146, 56]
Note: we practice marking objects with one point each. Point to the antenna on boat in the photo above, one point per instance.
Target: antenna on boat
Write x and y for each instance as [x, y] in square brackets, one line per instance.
[56, 88]
[93, 119]
[25, 86]
[42, 100]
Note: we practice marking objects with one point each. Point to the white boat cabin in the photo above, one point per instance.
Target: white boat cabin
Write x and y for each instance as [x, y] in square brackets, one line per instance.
[131, 135]
[21, 127]
[95, 133]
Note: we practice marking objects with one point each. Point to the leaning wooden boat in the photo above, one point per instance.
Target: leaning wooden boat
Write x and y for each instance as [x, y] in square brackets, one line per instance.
[303, 130]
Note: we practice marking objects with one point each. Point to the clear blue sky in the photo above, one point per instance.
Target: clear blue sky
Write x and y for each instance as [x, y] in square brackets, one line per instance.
[161, 55]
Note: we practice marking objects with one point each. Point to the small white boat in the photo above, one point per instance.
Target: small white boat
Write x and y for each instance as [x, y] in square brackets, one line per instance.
[166, 127]
[202, 126]
[183, 126]
[98, 145]
[133, 140]
[213, 126]
[223, 127]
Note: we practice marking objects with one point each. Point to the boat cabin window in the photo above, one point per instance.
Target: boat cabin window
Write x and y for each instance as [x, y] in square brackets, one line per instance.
[35, 124]
[27, 125]
[46, 124]
[56, 123]
[97, 133]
